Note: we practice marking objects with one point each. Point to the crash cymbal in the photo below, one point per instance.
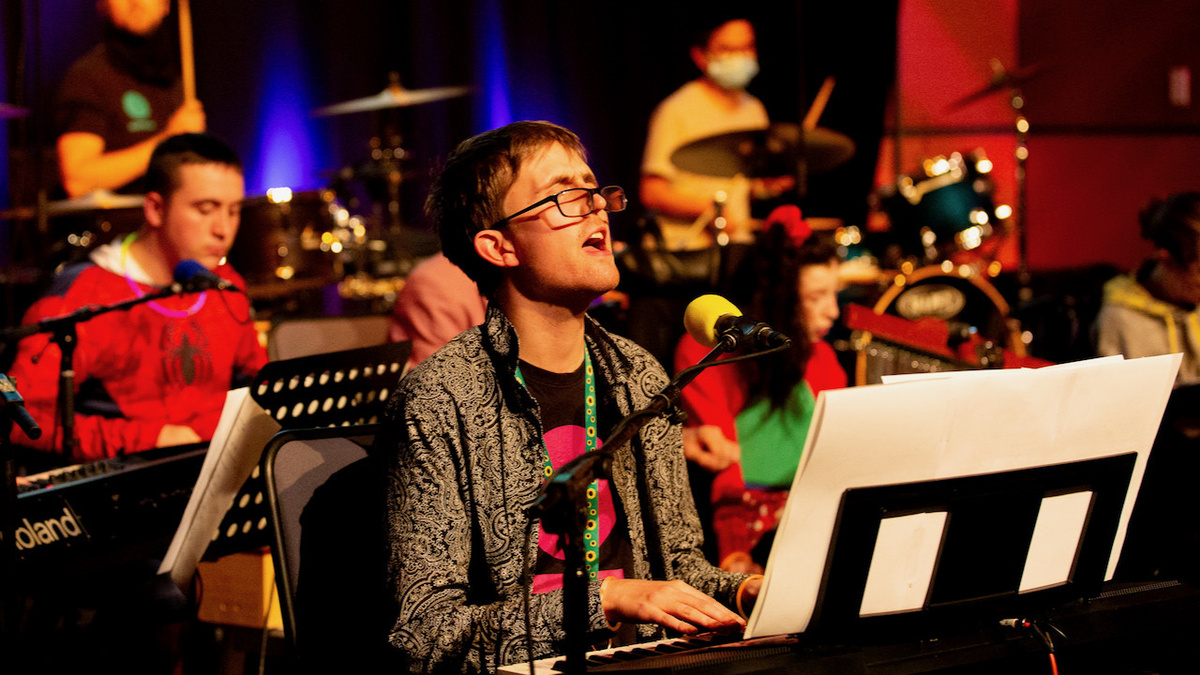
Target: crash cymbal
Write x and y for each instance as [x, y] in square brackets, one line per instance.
[774, 151]
[99, 200]
[392, 97]
[1001, 80]
[9, 111]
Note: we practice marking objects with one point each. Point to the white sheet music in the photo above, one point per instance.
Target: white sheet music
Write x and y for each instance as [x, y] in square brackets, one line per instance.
[947, 425]
[234, 451]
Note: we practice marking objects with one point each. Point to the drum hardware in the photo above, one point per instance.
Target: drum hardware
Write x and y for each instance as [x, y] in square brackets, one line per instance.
[944, 209]
[1012, 81]
[288, 236]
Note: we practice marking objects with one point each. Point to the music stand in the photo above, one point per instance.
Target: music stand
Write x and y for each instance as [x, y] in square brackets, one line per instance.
[228, 510]
[943, 507]
[346, 388]
[991, 522]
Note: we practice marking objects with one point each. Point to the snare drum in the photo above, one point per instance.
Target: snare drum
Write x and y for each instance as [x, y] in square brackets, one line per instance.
[944, 209]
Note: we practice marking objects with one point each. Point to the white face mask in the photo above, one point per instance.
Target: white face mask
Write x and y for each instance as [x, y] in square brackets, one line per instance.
[734, 71]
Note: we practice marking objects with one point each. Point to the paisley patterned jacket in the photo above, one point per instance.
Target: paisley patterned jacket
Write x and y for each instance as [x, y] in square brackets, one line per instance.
[465, 456]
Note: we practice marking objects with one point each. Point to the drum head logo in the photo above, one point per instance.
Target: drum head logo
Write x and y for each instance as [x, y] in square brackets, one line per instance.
[931, 300]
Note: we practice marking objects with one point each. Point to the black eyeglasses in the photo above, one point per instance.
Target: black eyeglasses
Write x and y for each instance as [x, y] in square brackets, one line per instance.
[576, 203]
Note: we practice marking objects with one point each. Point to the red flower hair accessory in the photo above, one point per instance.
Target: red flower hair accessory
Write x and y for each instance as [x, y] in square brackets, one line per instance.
[792, 221]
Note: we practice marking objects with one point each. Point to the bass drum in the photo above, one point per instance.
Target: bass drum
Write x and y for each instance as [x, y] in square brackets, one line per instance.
[953, 319]
[286, 238]
[944, 209]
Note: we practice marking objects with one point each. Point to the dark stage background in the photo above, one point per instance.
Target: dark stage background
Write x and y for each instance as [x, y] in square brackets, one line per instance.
[596, 67]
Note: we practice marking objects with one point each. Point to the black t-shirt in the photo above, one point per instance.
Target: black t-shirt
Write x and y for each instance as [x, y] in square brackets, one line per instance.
[560, 398]
[100, 97]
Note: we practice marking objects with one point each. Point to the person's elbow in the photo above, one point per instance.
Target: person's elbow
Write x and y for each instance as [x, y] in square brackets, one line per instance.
[654, 192]
[76, 153]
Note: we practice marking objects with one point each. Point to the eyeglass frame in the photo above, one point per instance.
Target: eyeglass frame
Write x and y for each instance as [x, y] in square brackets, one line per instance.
[554, 198]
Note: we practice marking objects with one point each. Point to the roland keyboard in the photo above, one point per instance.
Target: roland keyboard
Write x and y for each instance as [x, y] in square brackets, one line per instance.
[86, 516]
[706, 651]
[1130, 627]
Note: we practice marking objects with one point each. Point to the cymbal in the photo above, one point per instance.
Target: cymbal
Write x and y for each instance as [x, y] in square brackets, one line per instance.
[1000, 81]
[99, 200]
[9, 111]
[392, 97]
[757, 153]
[18, 213]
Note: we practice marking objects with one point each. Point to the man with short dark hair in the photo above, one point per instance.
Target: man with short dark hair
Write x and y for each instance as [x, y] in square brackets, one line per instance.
[157, 374]
[476, 428]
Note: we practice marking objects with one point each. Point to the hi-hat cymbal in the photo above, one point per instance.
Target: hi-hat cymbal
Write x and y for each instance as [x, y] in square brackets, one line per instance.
[757, 153]
[99, 200]
[392, 97]
[9, 111]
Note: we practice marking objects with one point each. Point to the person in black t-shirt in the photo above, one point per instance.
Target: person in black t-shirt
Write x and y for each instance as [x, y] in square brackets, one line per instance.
[121, 99]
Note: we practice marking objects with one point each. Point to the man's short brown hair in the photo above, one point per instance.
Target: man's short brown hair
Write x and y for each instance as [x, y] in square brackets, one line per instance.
[467, 195]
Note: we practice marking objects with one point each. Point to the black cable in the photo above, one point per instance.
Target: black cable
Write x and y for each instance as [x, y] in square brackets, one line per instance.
[527, 583]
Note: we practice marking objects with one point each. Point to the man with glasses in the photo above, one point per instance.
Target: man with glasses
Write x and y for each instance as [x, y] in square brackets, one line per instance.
[474, 430]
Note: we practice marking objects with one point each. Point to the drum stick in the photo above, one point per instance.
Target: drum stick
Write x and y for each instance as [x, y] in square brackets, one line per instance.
[188, 69]
[818, 106]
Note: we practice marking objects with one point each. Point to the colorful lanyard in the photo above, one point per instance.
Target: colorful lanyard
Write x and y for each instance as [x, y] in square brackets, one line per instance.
[591, 539]
[165, 311]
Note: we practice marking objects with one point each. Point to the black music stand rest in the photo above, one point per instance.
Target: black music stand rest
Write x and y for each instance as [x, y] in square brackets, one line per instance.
[990, 524]
[337, 389]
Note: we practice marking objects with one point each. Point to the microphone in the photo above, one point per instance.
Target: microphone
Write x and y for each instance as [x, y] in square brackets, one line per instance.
[711, 319]
[16, 408]
[194, 277]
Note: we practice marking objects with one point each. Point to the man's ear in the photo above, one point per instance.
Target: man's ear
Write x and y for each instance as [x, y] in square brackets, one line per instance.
[496, 248]
[155, 209]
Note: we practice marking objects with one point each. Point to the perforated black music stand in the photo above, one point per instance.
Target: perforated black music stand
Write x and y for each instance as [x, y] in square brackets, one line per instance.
[989, 527]
[339, 389]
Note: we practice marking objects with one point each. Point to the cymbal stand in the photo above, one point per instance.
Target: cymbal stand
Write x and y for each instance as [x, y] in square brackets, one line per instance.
[1021, 153]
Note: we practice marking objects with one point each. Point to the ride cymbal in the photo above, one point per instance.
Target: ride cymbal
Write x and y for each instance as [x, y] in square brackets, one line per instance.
[756, 153]
[391, 97]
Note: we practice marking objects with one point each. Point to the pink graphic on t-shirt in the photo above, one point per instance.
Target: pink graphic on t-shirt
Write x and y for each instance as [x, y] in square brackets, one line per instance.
[564, 444]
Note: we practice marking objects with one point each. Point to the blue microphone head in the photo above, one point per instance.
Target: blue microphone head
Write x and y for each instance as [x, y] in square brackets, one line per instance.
[190, 270]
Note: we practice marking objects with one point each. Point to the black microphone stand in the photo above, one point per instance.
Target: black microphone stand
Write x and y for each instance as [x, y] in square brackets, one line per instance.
[563, 508]
[12, 409]
[62, 331]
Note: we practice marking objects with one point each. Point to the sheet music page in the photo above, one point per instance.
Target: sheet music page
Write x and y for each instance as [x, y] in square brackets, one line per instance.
[236, 447]
[945, 427]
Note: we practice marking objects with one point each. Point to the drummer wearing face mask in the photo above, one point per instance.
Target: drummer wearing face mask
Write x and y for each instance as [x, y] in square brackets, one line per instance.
[715, 103]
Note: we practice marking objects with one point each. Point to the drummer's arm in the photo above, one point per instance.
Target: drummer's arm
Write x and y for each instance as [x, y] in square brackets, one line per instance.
[658, 194]
[85, 166]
